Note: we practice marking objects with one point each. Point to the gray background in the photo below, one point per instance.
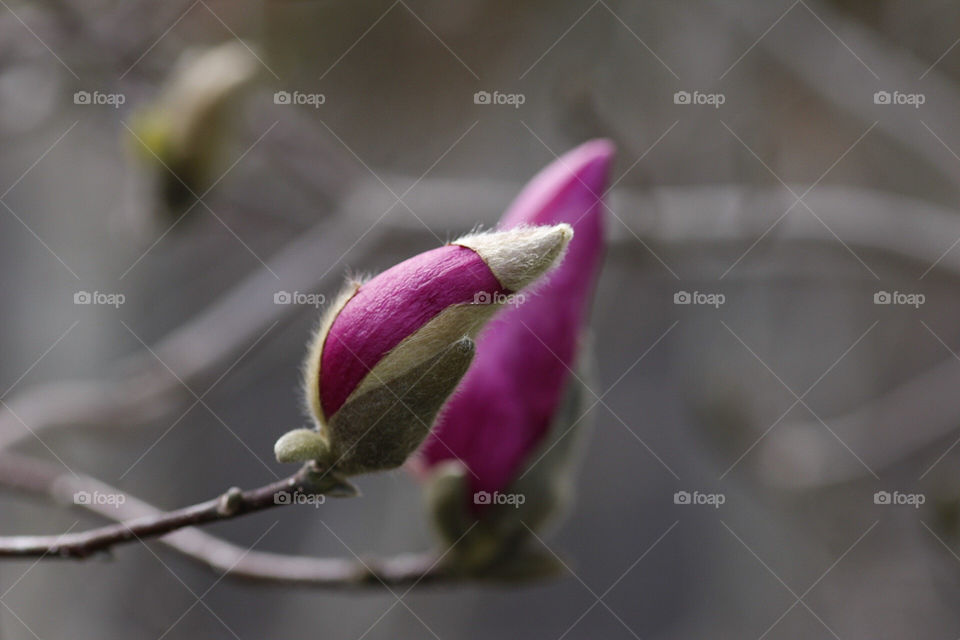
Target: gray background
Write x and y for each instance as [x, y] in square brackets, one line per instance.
[700, 190]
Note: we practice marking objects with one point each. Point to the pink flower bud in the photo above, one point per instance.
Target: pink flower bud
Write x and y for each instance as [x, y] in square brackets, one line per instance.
[391, 350]
[508, 400]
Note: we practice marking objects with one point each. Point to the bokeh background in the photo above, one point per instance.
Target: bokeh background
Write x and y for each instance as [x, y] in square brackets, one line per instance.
[802, 198]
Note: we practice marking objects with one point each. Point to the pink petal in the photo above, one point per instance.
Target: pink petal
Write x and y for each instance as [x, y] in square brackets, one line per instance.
[392, 306]
[507, 401]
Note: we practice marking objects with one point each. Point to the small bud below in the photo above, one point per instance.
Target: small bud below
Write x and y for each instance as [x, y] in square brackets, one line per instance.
[230, 501]
[300, 445]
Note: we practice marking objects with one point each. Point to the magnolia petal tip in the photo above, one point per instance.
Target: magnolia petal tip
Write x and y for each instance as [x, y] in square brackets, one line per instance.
[567, 188]
[519, 256]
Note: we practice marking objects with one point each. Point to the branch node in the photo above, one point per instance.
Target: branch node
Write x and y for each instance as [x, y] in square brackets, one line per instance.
[230, 502]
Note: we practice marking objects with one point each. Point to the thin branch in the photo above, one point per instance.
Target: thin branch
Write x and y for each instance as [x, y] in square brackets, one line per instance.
[231, 504]
[37, 477]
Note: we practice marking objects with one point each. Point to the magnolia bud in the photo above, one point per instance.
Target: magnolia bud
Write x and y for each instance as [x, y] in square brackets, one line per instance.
[500, 454]
[390, 351]
[181, 135]
[495, 542]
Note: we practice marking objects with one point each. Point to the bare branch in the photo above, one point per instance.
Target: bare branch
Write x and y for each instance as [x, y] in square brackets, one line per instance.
[37, 477]
[231, 504]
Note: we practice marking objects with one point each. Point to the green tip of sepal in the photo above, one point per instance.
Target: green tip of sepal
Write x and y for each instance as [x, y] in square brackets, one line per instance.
[336, 486]
[301, 445]
[379, 429]
[321, 480]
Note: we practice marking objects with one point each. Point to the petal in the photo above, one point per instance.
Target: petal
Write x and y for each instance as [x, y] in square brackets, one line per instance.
[413, 297]
[508, 399]
[391, 307]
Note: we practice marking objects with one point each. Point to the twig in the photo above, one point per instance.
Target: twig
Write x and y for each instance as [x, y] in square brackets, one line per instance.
[231, 504]
[37, 477]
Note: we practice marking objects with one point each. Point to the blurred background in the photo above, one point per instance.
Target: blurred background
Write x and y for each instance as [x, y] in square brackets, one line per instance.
[775, 325]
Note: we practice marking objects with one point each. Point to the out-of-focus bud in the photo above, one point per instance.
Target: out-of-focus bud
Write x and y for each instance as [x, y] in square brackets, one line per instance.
[182, 134]
[390, 351]
[500, 453]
